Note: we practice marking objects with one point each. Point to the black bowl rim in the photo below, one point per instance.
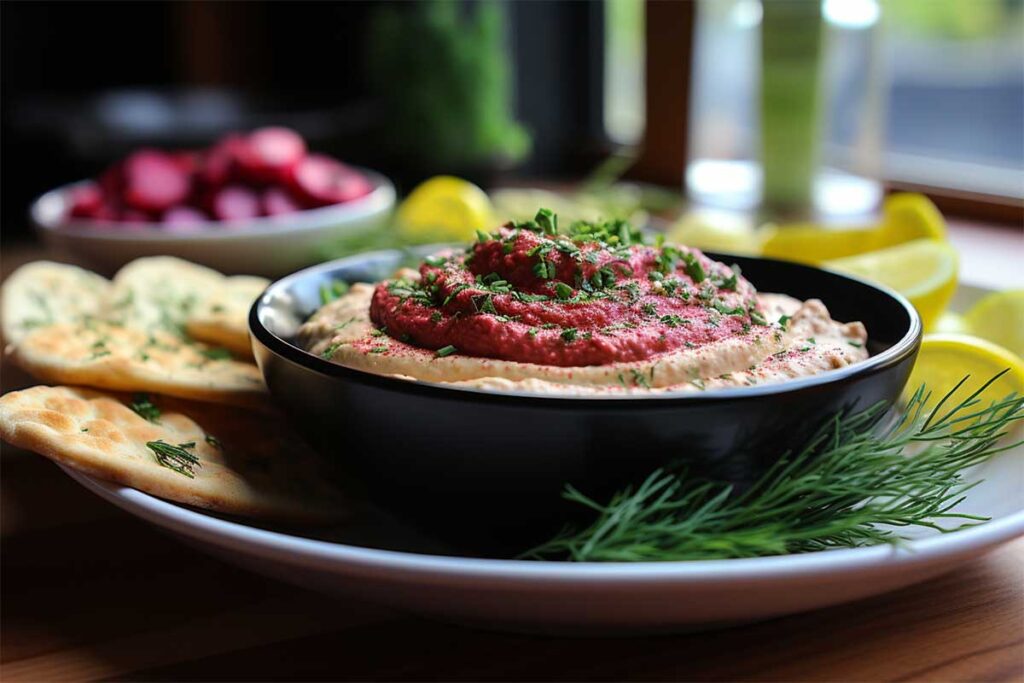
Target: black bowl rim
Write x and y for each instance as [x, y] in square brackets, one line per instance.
[906, 346]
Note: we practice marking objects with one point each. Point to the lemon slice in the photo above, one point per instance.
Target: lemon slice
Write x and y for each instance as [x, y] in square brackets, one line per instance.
[905, 217]
[999, 318]
[945, 359]
[714, 230]
[444, 209]
[924, 271]
[952, 322]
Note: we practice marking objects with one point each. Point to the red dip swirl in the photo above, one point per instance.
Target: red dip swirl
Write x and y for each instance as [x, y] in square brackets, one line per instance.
[592, 295]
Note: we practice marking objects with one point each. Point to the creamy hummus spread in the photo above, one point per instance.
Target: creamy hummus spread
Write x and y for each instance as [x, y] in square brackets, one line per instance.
[588, 310]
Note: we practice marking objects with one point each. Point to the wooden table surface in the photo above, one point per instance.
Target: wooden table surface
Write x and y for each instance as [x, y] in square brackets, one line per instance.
[89, 592]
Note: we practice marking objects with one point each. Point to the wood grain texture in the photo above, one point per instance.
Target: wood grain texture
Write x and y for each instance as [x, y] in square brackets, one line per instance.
[92, 593]
[89, 592]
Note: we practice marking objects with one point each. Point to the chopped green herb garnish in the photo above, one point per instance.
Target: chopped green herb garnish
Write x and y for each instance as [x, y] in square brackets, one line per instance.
[545, 270]
[530, 298]
[547, 220]
[454, 293]
[484, 303]
[674, 320]
[176, 458]
[144, 408]
[445, 351]
[693, 268]
[330, 291]
[639, 379]
[216, 353]
[563, 291]
[569, 334]
[725, 309]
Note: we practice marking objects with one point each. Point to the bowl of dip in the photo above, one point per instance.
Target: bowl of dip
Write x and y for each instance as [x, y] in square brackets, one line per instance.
[465, 393]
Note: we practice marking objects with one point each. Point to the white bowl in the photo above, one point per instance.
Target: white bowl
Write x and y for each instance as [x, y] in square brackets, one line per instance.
[269, 246]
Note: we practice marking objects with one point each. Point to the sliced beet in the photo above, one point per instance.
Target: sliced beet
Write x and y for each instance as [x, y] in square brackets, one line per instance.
[321, 180]
[184, 215]
[153, 182]
[86, 200]
[219, 165]
[108, 212]
[278, 201]
[235, 202]
[130, 215]
[270, 154]
[112, 181]
[188, 161]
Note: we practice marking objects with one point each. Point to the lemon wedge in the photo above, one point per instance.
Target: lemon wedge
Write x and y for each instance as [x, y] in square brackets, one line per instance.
[908, 216]
[924, 271]
[945, 359]
[999, 318]
[444, 209]
[905, 217]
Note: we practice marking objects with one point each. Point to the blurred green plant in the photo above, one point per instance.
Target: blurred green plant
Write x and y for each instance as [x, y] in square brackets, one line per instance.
[442, 74]
[957, 19]
[790, 105]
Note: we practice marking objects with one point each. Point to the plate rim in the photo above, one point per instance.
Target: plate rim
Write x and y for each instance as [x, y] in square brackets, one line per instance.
[330, 555]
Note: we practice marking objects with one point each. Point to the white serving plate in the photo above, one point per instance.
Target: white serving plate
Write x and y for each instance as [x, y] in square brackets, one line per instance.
[373, 557]
[588, 598]
[270, 246]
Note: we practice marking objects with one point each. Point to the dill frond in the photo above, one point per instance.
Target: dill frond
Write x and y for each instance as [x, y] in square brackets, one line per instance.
[853, 484]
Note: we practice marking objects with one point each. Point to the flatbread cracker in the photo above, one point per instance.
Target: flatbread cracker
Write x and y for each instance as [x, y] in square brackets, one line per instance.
[159, 292]
[46, 293]
[68, 325]
[244, 464]
[110, 356]
[166, 292]
[223, 318]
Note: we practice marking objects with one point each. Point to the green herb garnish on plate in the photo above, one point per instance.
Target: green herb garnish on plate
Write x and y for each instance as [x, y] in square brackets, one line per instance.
[177, 458]
[144, 408]
[853, 484]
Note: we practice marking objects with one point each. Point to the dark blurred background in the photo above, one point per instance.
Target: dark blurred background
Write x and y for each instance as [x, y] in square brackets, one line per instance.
[83, 83]
[919, 93]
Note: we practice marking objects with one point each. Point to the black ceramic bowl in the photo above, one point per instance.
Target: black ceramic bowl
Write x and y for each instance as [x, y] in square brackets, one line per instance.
[491, 465]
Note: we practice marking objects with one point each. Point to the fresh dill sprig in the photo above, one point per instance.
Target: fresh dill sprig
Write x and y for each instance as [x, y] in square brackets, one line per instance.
[177, 458]
[853, 484]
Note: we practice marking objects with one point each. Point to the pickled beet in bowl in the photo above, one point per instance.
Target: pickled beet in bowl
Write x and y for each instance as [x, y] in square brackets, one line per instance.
[258, 203]
[266, 245]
